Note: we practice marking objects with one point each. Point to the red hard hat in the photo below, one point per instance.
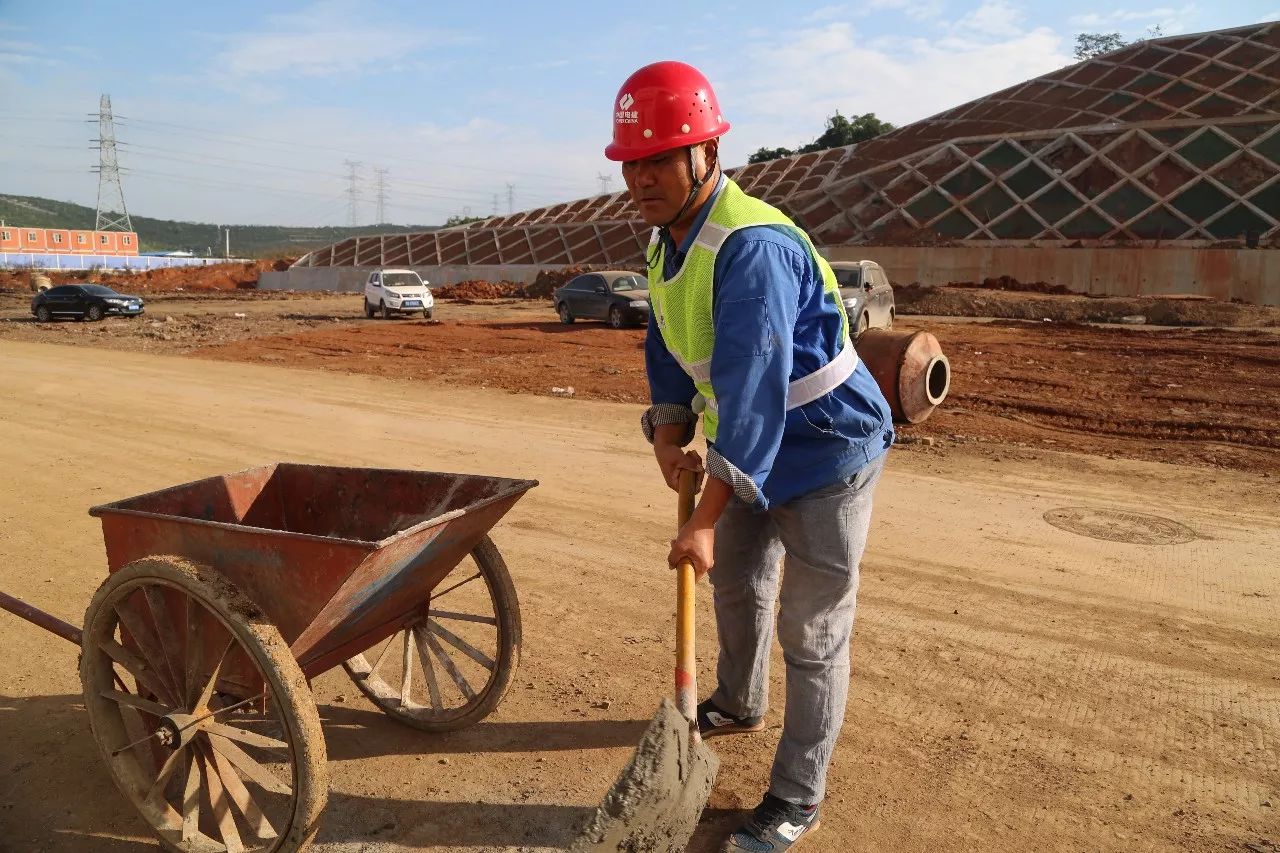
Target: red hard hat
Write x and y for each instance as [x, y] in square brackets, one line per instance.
[663, 106]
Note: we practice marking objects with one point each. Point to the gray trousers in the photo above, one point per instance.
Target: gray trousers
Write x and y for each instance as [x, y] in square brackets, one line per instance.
[822, 535]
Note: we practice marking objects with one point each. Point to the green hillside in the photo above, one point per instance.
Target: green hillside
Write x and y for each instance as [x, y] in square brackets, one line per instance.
[155, 235]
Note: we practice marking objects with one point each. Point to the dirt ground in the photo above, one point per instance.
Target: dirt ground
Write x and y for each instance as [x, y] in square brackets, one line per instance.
[1016, 686]
[1065, 307]
[1203, 396]
[215, 277]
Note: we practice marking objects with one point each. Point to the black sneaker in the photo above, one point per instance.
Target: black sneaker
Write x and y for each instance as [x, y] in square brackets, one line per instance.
[775, 826]
[712, 722]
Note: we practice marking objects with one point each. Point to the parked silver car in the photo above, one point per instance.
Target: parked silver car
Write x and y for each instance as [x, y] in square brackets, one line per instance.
[866, 294]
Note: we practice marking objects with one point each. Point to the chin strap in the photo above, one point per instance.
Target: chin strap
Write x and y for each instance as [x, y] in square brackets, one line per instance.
[698, 184]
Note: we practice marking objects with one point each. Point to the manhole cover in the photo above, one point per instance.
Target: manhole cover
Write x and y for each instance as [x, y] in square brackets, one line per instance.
[1117, 525]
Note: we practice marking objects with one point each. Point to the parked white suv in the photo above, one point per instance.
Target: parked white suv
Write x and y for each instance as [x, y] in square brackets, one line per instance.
[393, 291]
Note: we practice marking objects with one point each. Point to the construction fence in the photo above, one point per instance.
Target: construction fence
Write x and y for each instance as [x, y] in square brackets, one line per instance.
[132, 263]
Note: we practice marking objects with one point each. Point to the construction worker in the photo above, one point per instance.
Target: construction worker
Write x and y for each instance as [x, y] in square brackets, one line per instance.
[748, 331]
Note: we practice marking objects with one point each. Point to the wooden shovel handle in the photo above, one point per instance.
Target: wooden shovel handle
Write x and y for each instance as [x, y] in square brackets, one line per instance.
[686, 662]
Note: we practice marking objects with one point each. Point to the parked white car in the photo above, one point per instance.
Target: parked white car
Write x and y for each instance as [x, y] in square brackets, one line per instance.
[396, 291]
[866, 294]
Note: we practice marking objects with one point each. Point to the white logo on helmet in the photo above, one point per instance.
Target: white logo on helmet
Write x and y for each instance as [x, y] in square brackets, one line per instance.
[624, 114]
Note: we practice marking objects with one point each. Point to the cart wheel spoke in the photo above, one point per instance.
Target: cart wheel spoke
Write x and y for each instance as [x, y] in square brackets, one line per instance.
[428, 668]
[382, 656]
[450, 667]
[193, 651]
[136, 667]
[406, 673]
[207, 692]
[132, 621]
[239, 794]
[132, 701]
[156, 793]
[170, 646]
[464, 617]
[461, 645]
[220, 805]
[439, 595]
[191, 799]
[249, 766]
[251, 738]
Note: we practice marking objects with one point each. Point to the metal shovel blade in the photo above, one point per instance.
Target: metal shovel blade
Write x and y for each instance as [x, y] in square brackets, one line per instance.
[655, 804]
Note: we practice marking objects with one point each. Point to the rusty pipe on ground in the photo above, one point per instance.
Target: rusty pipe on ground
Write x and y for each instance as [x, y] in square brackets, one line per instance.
[19, 607]
[910, 368]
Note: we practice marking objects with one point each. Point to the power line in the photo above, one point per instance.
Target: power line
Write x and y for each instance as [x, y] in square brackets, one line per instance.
[511, 198]
[436, 192]
[604, 182]
[111, 214]
[224, 165]
[292, 145]
[205, 133]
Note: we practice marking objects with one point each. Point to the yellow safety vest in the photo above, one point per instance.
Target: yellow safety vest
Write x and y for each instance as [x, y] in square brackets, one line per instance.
[682, 304]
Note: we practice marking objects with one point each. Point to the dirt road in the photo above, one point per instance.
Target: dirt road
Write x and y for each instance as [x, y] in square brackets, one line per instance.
[1016, 686]
[1210, 397]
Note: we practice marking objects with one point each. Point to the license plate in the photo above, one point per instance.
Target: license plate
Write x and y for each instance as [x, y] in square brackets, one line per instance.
[413, 303]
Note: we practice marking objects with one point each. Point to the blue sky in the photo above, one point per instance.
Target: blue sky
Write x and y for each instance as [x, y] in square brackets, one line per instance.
[244, 112]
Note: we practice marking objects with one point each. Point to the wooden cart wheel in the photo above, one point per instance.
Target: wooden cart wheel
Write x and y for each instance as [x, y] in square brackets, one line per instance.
[201, 712]
[452, 666]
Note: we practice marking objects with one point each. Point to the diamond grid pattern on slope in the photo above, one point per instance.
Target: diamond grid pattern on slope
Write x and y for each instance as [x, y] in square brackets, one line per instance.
[1221, 170]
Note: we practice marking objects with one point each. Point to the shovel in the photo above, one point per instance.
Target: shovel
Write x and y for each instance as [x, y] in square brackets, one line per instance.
[655, 804]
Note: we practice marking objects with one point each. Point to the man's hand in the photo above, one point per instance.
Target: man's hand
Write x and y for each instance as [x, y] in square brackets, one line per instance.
[672, 458]
[696, 542]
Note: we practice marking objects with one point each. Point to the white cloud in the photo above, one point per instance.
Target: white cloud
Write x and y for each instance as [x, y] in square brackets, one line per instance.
[826, 13]
[916, 10]
[1171, 19]
[332, 37]
[473, 132]
[800, 77]
[24, 53]
[994, 18]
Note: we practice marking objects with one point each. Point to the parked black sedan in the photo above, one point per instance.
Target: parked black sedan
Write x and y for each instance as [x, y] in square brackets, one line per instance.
[90, 301]
[619, 297]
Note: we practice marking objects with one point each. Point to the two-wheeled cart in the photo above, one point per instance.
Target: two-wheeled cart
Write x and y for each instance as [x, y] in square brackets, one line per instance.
[226, 596]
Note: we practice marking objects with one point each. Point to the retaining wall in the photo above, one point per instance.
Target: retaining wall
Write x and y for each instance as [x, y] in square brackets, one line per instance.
[1249, 275]
[353, 278]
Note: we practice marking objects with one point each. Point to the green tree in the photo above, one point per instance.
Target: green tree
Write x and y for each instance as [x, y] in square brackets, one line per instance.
[462, 220]
[1089, 45]
[764, 155]
[839, 131]
[842, 131]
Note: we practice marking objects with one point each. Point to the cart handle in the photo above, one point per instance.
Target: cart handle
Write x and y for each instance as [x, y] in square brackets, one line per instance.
[18, 607]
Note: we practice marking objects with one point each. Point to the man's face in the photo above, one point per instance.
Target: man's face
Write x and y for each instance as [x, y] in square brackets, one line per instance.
[659, 185]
